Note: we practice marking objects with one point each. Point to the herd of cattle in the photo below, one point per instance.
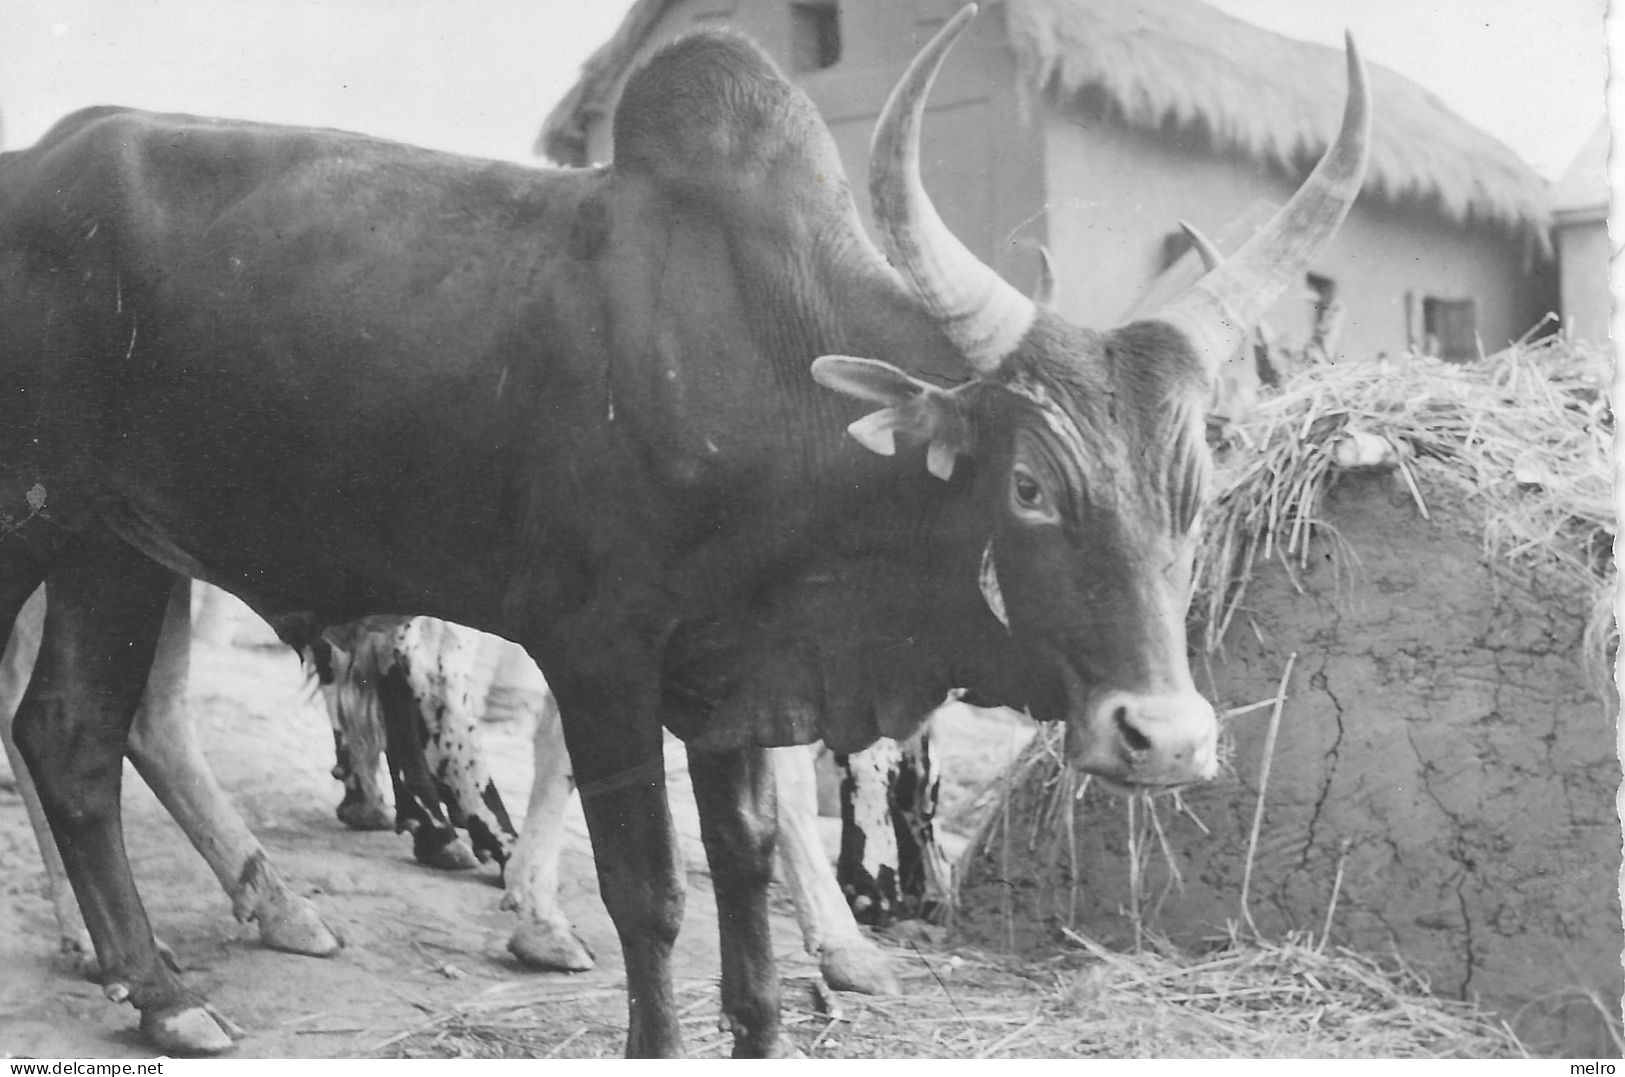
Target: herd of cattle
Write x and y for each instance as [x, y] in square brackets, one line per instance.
[674, 425]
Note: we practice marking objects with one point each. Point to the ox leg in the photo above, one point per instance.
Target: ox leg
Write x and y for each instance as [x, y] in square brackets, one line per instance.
[544, 938]
[867, 866]
[165, 749]
[358, 739]
[101, 626]
[73, 941]
[735, 796]
[621, 770]
[418, 809]
[441, 675]
[847, 960]
[924, 873]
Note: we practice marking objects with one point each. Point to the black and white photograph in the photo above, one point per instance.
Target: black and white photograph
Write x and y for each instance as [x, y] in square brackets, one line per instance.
[808, 529]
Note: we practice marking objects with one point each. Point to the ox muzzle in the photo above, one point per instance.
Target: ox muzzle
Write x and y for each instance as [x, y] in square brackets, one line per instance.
[1145, 740]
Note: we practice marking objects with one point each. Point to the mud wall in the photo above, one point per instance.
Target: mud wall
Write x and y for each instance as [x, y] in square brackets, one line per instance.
[1439, 739]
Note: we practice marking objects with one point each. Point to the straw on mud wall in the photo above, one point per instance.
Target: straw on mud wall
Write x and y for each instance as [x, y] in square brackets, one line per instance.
[1525, 434]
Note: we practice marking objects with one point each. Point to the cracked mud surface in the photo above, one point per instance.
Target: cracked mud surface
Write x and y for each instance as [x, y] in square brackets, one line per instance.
[1439, 728]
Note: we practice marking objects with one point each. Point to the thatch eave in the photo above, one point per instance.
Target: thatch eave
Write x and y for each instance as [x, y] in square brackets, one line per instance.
[1183, 65]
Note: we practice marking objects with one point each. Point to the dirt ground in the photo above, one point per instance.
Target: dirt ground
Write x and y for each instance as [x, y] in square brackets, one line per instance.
[419, 943]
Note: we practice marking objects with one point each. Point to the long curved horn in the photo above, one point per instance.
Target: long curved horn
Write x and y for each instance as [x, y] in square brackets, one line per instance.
[1219, 311]
[983, 315]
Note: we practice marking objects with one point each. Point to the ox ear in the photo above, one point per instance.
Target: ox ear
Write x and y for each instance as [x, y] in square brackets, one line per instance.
[917, 410]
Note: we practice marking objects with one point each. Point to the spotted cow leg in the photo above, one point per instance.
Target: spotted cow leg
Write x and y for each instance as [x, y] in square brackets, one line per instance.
[544, 938]
[738, 823]
[847, 960]
[101, 626]
[418, 809]
[867, 866]
[165, 749]
[73, 941]
[438, 658]
[358, 738]
[617, 757]
[924, 873]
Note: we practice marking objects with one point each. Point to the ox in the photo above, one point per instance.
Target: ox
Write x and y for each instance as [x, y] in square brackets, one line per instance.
[582, 410]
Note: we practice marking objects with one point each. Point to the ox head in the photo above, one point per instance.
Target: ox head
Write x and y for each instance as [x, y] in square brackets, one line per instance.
[1089, 447]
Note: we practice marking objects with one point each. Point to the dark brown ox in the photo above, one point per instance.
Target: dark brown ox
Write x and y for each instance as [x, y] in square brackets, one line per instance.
[582, 410]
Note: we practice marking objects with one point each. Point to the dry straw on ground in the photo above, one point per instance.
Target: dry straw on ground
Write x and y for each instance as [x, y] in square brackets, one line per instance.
[1288, 999]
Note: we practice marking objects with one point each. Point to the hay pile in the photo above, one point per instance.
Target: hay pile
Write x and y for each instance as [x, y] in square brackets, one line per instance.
[956, 1006]
[1291, 999]
[1525, 434]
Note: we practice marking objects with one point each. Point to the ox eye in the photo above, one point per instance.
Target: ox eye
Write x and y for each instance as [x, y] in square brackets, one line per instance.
[1027, 490]
[1027, 494]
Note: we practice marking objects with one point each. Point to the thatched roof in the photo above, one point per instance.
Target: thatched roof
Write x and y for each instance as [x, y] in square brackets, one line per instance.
[1181, 64]
[1582, 194]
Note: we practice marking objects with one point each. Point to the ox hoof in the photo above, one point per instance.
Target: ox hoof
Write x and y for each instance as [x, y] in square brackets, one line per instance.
[782, 1047]
[857, 966]
[433, 850]
[550, 947]
[361, 815]
[293, 926]
[193, 1029]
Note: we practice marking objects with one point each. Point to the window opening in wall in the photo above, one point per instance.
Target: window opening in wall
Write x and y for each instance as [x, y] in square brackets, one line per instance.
[815, 35]
[1327, 325]
[1450, 328]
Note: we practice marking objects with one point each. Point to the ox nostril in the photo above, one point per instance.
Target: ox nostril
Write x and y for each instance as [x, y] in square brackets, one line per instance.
[1137, 742]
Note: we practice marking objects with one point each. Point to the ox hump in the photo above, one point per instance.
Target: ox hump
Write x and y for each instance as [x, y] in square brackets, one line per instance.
[712, 113]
